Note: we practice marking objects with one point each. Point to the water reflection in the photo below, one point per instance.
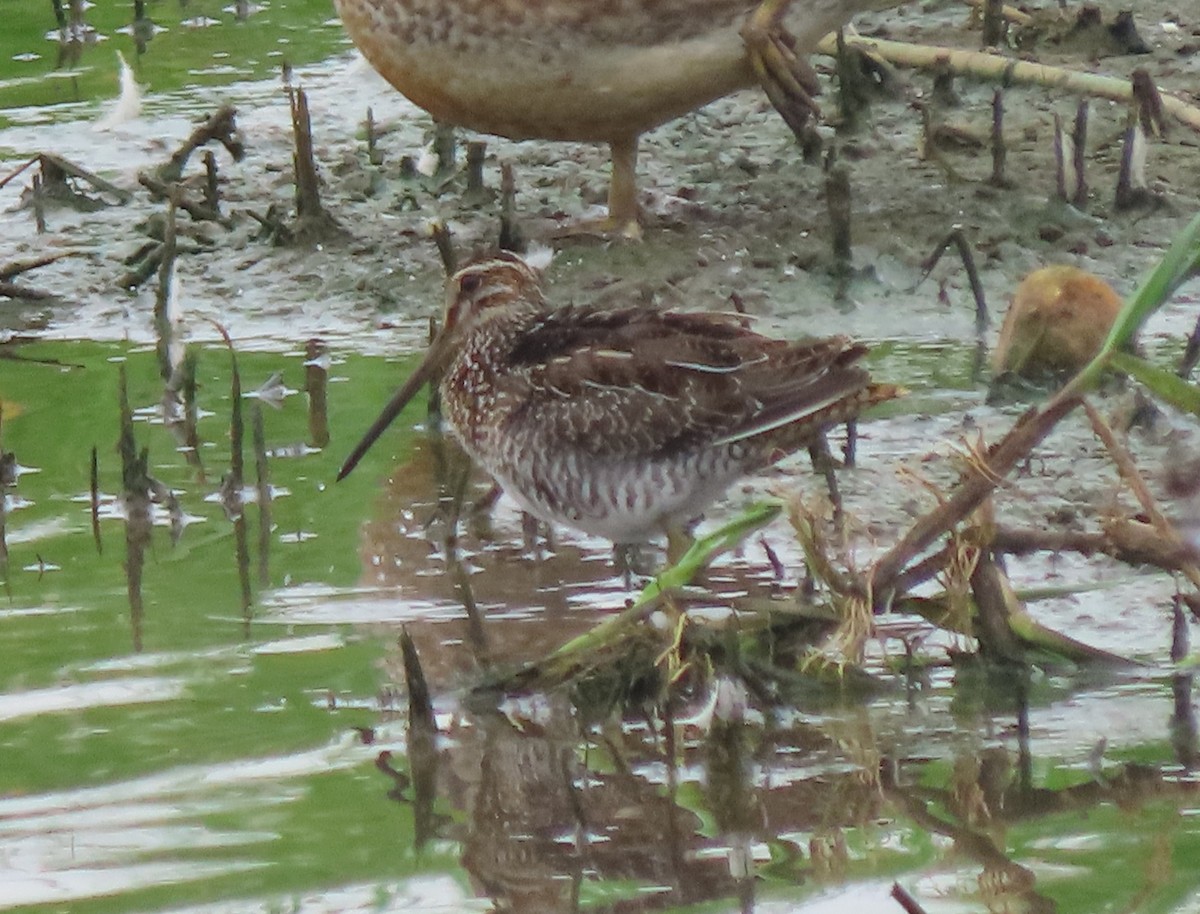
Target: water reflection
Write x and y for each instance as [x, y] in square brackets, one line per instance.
[235, 760]
[713, 793]
[551, 815]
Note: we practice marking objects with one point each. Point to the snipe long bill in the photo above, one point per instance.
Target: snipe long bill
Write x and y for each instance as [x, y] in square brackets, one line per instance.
[623, 423]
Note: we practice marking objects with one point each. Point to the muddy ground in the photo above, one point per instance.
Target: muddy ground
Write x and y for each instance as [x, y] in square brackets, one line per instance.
[732, 208]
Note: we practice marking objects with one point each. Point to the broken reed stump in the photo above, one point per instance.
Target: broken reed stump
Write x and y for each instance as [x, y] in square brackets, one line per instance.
[316, 383]
[838, 208]
[163, 319]
[374, 156]
[444, 242]
[1079, 140]
[476, 153]
[232, 486]
[262, 483]
[1148, 103]
[1070, 158]
[511, 238]
[999, 148]
[1133, 191]
[36, 196]
[853, 87]
[445, 145]
[995, 26]
[212, 189]
[136, 487]
[313, 224]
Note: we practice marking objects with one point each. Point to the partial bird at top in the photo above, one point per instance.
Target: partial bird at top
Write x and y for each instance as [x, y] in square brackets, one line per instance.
[592, 70]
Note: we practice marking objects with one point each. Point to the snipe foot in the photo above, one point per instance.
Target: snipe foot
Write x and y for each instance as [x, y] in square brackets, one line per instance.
[788, 80]
[633, 561]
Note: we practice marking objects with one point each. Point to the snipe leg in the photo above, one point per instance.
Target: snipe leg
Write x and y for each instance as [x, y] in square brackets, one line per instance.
[788, 80]
[679, 541]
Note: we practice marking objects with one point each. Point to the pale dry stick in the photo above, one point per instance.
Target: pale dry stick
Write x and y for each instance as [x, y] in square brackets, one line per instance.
[982, 65]
[1133, 478]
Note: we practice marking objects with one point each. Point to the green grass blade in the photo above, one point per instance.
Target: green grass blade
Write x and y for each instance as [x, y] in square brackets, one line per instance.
[701, 553]
[1181, 261]
[1168, 387]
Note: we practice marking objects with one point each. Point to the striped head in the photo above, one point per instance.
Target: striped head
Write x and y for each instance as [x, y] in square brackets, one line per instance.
[488, 288]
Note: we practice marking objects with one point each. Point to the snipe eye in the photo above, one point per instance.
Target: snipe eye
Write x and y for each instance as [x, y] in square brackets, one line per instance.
[470, 283]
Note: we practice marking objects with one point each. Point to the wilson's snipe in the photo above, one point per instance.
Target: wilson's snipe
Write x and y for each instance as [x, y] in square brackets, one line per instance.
[621, 423]
[592, 70]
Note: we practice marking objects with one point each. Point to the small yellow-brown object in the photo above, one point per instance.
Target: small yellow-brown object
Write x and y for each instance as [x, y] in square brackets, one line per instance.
[1056, 323]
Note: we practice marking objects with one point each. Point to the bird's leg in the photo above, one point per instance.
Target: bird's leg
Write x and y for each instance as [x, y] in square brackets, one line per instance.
[529, 535]
[628, 561]
[823, 463]
[622, 189]
[623, 211]
[679, 541]
[788, 80]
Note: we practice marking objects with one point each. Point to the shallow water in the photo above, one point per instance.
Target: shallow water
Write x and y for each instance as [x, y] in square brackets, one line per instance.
[177, 748]
[198, 757]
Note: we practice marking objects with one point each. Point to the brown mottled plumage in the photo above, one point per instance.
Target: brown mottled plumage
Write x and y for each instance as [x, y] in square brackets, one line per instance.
[621, 423]
[592, 70]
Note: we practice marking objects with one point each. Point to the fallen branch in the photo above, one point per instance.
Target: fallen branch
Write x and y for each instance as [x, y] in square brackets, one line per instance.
[1129, 541]
[1173, 544]
[56, 165]
[975, 486]
[17, 267]
[220, 126]
[25, 293]
[983, 65]
[197, 211]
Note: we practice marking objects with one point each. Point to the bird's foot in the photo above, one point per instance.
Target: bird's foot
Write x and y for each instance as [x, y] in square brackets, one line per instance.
[786, 77]
[610, 226]
[634, 562]
[624, 217]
